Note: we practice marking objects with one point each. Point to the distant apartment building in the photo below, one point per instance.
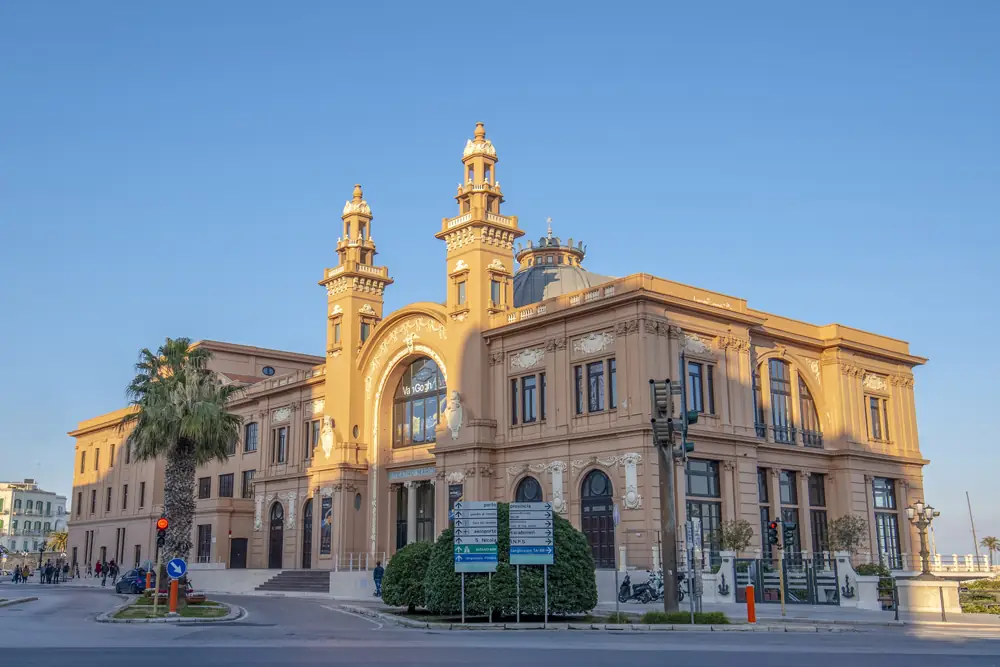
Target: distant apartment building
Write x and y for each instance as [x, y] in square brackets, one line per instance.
[29, 515]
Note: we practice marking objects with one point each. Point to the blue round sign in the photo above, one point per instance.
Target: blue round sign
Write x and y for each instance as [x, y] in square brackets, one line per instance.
[176, 568]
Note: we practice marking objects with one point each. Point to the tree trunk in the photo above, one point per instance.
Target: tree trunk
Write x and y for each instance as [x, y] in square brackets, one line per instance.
[178, 502]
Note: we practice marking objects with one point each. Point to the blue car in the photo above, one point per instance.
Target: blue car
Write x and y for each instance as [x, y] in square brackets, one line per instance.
[133, 581]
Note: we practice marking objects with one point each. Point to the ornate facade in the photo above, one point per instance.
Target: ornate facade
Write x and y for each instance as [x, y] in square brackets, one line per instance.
[531, 381]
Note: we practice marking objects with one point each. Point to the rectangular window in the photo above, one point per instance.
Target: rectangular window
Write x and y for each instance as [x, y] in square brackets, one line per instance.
[878, 418]
[495, 292]
[226, 486]
[204, 543]
[541, 396]
[595, 386]
[128, 452]
[710, 514]
[513, 401]
[884, 493]
[528, 390]
[817, 490]
[612, 384]
[142, 494]
[781, 400]
[703, 478]
[578, 388]
[204, 487]
[336, 333]
[787, 486]
[124, 496]
[696, 399]
[247, 483]
[250, 437]
[765, 520]
[279, 445]
[758, 408]
[790, 521]
[311, 437]
[461, 293]
[231, 449]
[97, 458]
[820, 536]
[93, 501]
[107, 501]
[366, 329]
[111, 464]
[887, 534]
[763, 492]
[710, 392]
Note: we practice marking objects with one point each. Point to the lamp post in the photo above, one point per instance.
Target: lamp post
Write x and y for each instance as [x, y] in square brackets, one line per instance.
[921, 516]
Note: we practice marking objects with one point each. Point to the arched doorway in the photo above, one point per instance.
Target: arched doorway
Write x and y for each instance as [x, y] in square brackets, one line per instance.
[307, 534]
[276, 537]
[597, 509]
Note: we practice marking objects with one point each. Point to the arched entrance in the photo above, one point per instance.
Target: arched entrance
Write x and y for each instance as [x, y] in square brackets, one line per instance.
[276, 537]
[597, 520]
[307, 534]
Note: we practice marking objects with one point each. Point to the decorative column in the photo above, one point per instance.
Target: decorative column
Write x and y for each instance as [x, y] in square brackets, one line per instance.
[411, 512]
[870, 512]
[730, 499]
[805, 525]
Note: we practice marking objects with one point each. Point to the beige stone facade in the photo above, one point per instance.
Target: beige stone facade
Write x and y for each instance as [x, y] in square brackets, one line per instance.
[530, 381]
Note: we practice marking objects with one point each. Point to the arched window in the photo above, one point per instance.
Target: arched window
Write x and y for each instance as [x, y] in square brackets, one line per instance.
[812, 432]
[528, 491]
[597, 509]
[419, 404]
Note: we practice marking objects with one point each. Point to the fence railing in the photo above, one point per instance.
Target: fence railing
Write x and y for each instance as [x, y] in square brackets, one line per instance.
[938, 562]
[358, 561]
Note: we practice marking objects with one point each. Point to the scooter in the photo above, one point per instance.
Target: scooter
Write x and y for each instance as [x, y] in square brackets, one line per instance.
[640, 592]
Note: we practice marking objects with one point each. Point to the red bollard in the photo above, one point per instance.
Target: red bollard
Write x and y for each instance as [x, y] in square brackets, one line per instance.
[173, 596]
[751, 610]
[149, 577]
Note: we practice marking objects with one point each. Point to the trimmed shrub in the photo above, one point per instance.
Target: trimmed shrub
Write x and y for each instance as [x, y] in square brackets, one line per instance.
[684, 618]
[403, 583]
[572, 585]
[620, 618]
[984, 584]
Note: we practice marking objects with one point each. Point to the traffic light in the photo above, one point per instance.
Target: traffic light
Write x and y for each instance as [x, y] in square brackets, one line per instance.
[772, 533]
[691, 416]
[161, 531]
[788, 534]
[687, 447]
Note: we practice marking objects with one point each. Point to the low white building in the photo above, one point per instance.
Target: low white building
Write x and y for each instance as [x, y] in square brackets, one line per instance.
[29, 515]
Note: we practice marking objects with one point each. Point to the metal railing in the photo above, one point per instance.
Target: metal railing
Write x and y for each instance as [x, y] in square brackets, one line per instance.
[788, 435]
[941, 563]
[358, 561]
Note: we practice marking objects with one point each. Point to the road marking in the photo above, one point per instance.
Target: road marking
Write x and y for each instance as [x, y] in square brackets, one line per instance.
[351, 613]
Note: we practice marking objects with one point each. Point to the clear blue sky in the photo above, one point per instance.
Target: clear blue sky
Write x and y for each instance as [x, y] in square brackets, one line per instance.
[179, 169]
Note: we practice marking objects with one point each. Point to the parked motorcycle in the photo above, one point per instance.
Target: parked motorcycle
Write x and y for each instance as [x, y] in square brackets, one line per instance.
[640, 592]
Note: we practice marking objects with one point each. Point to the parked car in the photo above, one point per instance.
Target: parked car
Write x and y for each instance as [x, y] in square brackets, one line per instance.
[133, 581]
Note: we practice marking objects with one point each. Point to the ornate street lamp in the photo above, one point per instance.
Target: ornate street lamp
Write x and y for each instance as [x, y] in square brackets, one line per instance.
[921, 515]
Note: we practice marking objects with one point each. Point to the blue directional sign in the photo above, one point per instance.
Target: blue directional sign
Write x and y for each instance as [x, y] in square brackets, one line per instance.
[532, 541]
[475, 538]
[176, 568]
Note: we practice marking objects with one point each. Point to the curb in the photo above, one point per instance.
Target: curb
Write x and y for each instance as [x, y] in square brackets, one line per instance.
[607, 627]
[10, 603]
[235, 612]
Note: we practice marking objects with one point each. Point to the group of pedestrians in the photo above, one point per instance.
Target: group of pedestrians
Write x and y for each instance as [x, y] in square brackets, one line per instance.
[21, 574]
[104, 570]
[53, 573]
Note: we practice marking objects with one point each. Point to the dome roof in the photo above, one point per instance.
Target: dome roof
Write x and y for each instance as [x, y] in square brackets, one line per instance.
[546, 281]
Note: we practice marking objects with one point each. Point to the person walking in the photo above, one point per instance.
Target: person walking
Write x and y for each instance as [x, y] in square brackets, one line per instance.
[25, 573]
[16, 579]
[97, 569]
[76, 570]
[90, 571]
[114, 571]
[65, 572]
[377, 574]
[104, 573]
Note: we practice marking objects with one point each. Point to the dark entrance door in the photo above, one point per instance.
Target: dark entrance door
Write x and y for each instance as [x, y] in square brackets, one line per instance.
[276, 541]
[597, 508]
[238, 553]
[307, 534]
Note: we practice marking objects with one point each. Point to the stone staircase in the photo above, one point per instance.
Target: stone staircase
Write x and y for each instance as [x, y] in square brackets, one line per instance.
[298, 581]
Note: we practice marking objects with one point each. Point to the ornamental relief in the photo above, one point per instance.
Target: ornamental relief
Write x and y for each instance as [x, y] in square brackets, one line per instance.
[281, 415]
[593, 343]
[874, 382]
[694, 344]
[526, 359]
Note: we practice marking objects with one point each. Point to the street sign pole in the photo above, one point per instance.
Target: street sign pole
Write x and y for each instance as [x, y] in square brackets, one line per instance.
[545, 576]
[616, 516]
[463, 597]
[517, 569]
[156, 585]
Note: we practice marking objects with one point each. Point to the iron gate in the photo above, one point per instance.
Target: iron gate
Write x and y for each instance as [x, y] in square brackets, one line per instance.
[807, 580]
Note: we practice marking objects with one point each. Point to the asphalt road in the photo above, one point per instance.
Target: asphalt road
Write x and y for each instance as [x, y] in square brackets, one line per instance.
[58, 630]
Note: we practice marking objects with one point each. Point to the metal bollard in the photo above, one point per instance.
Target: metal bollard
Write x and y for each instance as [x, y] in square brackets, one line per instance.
[751, 602]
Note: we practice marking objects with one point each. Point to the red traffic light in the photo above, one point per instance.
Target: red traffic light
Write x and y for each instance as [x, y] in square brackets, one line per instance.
[772, 526]
[162, 523]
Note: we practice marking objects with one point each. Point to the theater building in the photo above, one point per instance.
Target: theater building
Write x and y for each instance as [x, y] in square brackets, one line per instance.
[529, 382]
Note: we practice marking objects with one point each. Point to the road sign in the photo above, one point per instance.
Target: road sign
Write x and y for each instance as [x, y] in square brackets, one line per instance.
[176, 568]
[531, 537]
[475, 538]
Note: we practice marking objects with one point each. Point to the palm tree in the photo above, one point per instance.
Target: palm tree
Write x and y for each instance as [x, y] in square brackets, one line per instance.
[991, 544]
[179, 413]
[57, 541]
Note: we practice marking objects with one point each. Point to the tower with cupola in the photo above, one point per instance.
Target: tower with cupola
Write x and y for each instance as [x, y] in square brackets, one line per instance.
[480, 262]
[354, 291]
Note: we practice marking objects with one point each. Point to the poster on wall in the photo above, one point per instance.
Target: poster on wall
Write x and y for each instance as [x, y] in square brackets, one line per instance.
[454, 495]
[326, 532]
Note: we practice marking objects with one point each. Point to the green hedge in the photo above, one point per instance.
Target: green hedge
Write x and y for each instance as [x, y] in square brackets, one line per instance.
[572, 585]
[984, 584]
[403, 584]
[684, 618]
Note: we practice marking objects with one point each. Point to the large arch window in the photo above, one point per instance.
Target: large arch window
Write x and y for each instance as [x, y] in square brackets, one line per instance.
[780, 374]
[812, 435]
[418, 404]
[528, 491]
[781, 401]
